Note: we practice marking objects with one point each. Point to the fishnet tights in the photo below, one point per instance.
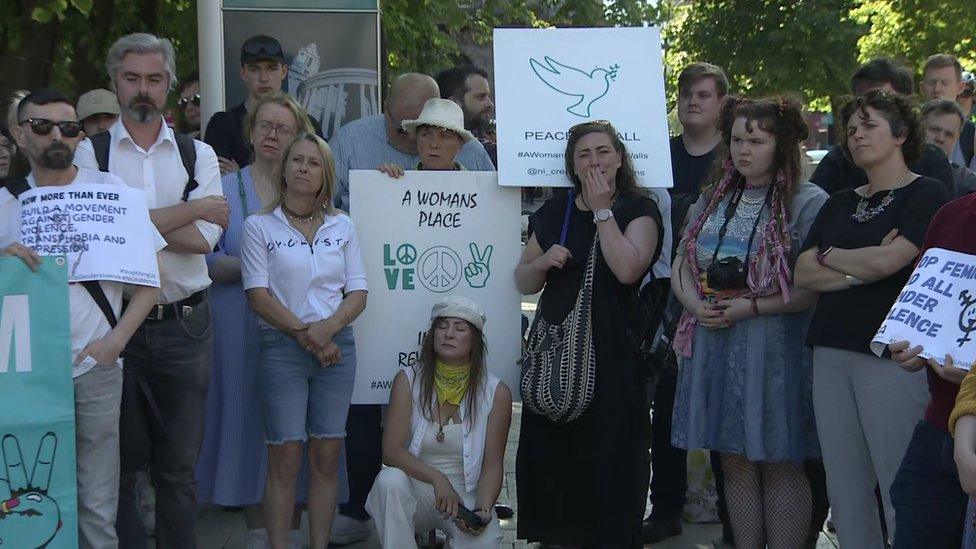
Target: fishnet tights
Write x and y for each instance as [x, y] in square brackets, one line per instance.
[769, 503]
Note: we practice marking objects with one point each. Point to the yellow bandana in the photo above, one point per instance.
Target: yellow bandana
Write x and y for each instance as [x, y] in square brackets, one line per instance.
[450, 382]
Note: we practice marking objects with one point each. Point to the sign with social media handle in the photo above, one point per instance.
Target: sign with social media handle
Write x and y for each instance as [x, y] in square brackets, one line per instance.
[38, 497]
[425, 236]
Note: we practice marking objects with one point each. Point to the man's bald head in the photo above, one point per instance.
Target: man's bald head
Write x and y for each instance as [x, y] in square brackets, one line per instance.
[410, 91]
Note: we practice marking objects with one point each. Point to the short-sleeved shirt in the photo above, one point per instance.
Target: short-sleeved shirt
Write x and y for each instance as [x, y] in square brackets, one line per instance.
[363, 145]
[952, 228]
[310, 280]
[836, 171]
[689, 171]
[848, 319]
[159, 171]
[88, 322]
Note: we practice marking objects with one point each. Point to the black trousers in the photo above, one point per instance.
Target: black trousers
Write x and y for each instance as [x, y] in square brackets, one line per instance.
[364, 456]
[669, 480]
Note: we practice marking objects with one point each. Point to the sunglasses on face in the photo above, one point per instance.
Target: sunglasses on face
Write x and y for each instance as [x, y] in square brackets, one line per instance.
[43, 126]
[255, 48]
[968, 92]
[184, 101]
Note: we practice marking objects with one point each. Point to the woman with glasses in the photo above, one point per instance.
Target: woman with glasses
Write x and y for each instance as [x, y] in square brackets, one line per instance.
[189, 105]
[584, 481]
[233, 461]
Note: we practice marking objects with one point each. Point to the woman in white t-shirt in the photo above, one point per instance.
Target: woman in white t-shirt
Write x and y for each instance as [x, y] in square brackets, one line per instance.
[304, 277]
[444, 438]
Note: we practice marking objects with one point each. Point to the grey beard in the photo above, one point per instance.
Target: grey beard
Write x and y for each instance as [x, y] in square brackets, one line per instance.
[142, 113]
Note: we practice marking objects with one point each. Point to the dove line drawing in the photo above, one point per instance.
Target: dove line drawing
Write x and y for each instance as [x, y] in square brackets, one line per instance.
[589, 87]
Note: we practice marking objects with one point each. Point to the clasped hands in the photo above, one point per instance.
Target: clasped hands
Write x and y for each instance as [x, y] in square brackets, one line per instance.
[724, 313]
[316, 338]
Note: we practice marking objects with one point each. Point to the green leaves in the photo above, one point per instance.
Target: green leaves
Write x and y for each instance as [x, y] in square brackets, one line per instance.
[52, 9]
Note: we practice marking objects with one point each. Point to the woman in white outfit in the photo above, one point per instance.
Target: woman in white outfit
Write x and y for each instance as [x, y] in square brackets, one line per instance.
[444, 439]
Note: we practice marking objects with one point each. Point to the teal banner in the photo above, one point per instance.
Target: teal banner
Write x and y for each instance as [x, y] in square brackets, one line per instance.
[38, 501]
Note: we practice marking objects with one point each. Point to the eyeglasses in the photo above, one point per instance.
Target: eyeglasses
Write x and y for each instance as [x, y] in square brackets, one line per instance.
[184, 101]
[604, 123]
[283, 130]
[43, 126]
[966, 93]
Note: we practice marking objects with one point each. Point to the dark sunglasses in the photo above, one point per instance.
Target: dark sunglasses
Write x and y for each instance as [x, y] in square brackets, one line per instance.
[255, 48]
[43, 126]
[184, 101]
[968, 92]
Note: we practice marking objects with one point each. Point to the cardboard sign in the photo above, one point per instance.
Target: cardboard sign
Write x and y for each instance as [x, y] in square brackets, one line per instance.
[425, 236]
[936, 309]
[102, 230]
[548, 80]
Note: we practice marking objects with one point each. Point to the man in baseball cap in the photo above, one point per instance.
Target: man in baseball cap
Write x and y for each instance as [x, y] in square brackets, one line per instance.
[98, 110]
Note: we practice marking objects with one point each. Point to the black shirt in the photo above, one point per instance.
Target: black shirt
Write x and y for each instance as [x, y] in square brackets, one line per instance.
[690, 174]
[836, 171]
[848, 319]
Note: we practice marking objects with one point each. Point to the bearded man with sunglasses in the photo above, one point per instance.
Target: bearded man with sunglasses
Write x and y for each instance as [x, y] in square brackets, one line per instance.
[167, 369]
[48, 132]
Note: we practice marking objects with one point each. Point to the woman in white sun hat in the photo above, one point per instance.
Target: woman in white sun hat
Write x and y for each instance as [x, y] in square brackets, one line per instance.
[440, 135]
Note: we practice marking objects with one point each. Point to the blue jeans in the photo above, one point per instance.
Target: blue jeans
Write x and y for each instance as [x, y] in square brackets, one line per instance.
[299, 397]
[928, 500]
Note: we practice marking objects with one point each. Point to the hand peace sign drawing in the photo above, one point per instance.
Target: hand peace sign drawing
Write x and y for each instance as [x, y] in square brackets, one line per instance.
[29, 518]
[439, 269]
[478, 271]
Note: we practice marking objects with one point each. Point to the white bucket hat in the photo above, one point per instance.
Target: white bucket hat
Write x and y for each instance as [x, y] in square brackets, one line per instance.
[457, 306]
[442, 113]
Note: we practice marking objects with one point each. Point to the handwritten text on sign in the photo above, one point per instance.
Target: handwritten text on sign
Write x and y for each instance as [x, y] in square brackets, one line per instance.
[936, 309]
[103, 230]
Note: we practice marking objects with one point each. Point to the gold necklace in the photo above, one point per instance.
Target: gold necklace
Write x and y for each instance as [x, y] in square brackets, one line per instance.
[440, 428]
[297, 217]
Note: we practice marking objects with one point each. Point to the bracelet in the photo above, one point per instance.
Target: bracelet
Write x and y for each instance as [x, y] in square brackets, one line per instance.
[755, 306]
[853, 281]
[822, 256]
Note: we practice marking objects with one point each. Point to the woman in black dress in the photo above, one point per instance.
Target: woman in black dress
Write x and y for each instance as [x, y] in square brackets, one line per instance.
[584, 482]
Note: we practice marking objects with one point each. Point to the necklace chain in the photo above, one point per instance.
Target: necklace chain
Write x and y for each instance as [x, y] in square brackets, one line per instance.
[863, 213]
[297, 217]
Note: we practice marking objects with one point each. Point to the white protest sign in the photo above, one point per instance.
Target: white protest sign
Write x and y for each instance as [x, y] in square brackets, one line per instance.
[104, 230]
[425, 236]
[936, 309]
[548, 80]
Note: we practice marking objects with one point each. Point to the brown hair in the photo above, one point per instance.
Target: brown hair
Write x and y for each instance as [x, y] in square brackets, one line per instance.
[326, 193]
[940, 61]
[695, 72]
[626, 179]
[943, 106]
[898, 111]
[427, 363]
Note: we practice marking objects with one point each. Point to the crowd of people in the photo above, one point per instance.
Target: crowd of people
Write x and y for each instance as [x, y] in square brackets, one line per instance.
[238, 371]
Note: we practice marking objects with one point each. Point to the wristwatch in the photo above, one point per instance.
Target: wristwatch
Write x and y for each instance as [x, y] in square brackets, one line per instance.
[602, 215]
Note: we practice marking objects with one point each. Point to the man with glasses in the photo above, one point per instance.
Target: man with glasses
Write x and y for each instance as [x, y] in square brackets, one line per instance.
[263, 69]
[167, 369]
[98, 110]
[48, 133]
[942, 79]
[365, 144]
[189, 105]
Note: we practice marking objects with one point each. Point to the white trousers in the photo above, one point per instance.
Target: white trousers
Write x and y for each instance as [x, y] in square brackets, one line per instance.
[402, 506]
[866, 409]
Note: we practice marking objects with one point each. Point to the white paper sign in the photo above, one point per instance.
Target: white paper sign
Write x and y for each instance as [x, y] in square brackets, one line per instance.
[104, 230]
[425, 236]
[548, 80]
[936, 309]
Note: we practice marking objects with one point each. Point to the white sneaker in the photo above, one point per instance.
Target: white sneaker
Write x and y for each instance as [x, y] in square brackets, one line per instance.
[347, 530]
[256, 539]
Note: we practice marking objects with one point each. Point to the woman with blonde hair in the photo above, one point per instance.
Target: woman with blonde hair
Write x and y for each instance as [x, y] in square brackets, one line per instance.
[304, 277]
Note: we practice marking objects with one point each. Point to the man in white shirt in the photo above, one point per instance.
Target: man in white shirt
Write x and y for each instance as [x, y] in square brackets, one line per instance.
[167, 368]
[48, 132]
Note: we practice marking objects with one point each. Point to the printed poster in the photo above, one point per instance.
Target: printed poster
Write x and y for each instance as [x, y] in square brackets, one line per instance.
[425, 236]
[38, 498]
[936, 309]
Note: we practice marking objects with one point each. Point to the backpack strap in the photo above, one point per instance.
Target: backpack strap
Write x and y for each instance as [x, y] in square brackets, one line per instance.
[966, 141]
[98, 294]
[17, 186]
[188, 154]
[101, 144]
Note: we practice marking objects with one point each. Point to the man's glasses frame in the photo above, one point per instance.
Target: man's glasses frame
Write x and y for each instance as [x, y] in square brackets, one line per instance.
[43, 126]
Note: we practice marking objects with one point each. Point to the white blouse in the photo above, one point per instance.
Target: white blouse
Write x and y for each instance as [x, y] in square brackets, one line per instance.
[309, 280]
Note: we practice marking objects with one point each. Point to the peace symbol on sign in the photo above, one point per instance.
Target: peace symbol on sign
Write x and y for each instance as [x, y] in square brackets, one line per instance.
[439, 269]
[406, 254]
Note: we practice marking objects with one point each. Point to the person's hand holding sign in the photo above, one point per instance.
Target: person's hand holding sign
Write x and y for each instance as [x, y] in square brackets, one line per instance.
[27, 255]
[906, 356]
[947, 370]
[28, 516]
[477, 272]
[393, 170]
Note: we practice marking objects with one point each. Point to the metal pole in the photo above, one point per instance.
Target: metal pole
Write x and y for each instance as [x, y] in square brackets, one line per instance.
[210, 35]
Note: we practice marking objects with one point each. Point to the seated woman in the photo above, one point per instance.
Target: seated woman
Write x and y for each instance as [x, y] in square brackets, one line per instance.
[445, 435]
[440, 135]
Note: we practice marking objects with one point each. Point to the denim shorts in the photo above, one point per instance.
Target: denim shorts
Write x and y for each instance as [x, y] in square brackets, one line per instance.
[299, 397]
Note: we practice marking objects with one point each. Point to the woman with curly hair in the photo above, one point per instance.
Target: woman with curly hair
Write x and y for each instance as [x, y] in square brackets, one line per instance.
[858, 255]
[744, 375]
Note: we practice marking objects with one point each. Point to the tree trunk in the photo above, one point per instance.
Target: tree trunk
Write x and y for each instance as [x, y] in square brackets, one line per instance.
[28, 67]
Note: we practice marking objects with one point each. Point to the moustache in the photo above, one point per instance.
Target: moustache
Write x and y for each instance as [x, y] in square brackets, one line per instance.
[142, 100]
[57, 147]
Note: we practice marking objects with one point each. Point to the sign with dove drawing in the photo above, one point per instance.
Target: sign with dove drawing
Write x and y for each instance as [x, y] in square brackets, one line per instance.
[548, 80]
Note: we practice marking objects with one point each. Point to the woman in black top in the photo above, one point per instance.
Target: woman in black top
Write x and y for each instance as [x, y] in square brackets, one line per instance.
[584, 482]
[858, 254]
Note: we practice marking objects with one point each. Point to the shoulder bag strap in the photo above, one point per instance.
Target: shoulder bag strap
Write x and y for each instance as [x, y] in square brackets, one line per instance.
[98, 294]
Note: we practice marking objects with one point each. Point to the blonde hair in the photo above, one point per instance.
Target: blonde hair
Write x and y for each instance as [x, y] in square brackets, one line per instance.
[327, 191]
[282, 99]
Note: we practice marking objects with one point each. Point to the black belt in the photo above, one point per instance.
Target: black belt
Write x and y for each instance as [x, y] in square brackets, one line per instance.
[179, 309]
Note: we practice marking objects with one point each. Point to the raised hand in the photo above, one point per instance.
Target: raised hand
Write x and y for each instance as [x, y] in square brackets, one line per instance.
[478, 271]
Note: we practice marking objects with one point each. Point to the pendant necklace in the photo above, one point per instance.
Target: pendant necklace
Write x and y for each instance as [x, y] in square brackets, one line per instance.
[863, 214]
[440, 428]
[297, 217]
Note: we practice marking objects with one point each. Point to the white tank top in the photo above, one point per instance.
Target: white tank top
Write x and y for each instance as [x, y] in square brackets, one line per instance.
[444, 456]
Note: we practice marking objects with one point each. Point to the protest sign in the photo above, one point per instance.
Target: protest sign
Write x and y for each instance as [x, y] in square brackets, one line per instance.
[102, 230]
[936, 309]
[548, 80]
[425, 236]
[38, 498]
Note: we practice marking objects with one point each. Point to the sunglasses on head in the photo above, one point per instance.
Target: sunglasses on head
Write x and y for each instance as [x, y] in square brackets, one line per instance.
[43, 126]
[184, 101]
[255, 48]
